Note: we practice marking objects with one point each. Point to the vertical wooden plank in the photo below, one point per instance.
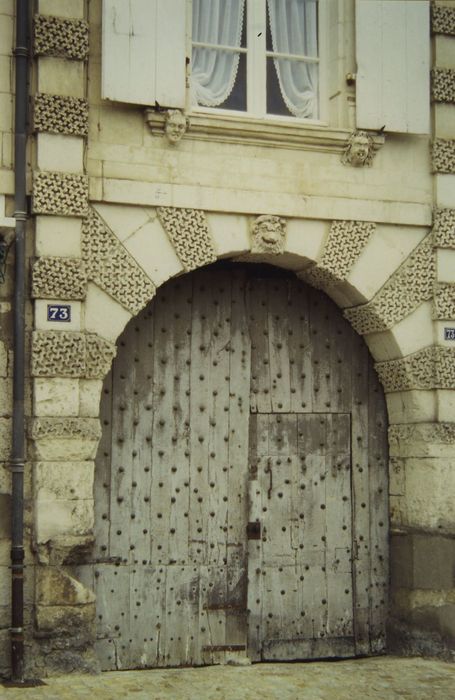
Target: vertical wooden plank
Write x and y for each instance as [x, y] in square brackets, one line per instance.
[279, 303]
[182, 615]
[257, 306]
[217, 371]
[102, 488]
[320, 357]
[360, 498]
[199, 419]
[112, 591]
[379, 512]
[255, 570]
[140, 395]
[339, 527]
[161, 412]
[238, 473]
[300, 350]
[121, 450]
[178, 419]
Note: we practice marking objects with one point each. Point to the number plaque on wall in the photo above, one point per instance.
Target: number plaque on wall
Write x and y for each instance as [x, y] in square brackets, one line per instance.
[59, 312]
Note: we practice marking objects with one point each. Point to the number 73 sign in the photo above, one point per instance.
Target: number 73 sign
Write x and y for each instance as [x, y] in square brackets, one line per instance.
[59, 312]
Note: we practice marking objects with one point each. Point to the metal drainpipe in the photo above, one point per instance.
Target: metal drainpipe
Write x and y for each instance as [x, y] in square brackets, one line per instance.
[21, 53]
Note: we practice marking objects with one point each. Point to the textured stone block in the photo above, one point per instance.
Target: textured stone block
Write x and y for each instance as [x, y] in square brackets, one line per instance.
[112, 268]
[63, 37]
[443, 156]
[58, 114]
[443, 19]
[411, 284]
[59, 278]
[443, 84]
[60, 193]
[70, 354]
[188, 231]
[65, 438]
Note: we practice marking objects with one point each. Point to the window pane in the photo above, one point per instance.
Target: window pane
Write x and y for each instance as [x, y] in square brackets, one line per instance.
[292, 88]
[219, 22]
[218, 79]
[292, 27]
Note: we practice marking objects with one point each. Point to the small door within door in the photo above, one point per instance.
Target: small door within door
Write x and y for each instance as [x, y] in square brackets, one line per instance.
[300, 594]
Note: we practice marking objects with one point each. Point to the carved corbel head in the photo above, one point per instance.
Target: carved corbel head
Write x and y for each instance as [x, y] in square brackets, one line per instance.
[359, 149]
[175, 125]
[268, 234]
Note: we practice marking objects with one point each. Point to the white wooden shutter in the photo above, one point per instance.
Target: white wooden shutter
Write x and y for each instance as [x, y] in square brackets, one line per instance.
[393, 65]
[143, 54]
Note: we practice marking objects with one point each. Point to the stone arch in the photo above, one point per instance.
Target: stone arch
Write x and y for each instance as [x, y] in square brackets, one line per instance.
[127, 252]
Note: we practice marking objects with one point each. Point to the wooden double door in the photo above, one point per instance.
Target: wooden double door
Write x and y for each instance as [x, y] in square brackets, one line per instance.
[241, 479]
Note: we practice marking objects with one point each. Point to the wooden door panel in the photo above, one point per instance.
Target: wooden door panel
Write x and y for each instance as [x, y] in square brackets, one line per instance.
[303, 502]
[239, 398]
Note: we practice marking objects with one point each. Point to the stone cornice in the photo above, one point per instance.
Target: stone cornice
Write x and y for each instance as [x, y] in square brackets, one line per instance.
[261, 132]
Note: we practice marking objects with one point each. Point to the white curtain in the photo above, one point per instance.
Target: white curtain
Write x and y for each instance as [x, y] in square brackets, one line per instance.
[293, 25]
[213, 72]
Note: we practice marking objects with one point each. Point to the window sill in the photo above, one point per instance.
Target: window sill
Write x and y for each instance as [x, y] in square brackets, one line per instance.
[260, 132]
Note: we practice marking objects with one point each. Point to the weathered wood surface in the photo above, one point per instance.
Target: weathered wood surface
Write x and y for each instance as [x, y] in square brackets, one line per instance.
[236, 397]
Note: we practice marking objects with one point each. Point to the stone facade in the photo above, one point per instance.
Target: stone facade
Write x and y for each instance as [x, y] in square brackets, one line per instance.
[127, 210]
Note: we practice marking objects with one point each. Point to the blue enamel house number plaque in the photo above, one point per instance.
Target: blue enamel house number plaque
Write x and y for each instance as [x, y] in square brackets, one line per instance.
[449, 333]
[59, 312]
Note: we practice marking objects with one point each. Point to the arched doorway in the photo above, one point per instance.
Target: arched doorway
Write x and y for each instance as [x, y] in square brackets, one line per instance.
[241, 483]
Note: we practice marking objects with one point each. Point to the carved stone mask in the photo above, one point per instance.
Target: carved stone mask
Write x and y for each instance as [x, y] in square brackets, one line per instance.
[175, 126]
[359, 149]
[268, 234]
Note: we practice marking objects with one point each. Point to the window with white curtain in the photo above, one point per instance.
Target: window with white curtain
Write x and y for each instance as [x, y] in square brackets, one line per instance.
[256, 56]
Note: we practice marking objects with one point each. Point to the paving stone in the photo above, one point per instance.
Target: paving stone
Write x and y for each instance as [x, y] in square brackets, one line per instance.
[384, 678]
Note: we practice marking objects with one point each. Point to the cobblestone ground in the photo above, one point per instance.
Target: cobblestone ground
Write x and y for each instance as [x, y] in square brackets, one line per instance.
[386, 678]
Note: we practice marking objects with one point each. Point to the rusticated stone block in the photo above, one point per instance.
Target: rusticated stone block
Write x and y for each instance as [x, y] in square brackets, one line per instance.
[411, 284]
[60, 194]
[443, 156]
[443, 19]
[189, 234]
[72, 439]
[430, 368]
[57, 114]
[443, 84]
[344, 244]
[65, 428]
[70, 354]
[99, 356]
[444, 301]
[58, 354]
[62, 37]
[112, 268]
[59, 278]
[444, 228]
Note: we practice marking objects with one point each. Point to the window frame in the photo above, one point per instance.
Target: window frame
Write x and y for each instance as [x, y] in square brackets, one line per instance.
[256, 69]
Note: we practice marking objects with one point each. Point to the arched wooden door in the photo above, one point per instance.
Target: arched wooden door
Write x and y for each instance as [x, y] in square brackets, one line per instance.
[241, 480]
